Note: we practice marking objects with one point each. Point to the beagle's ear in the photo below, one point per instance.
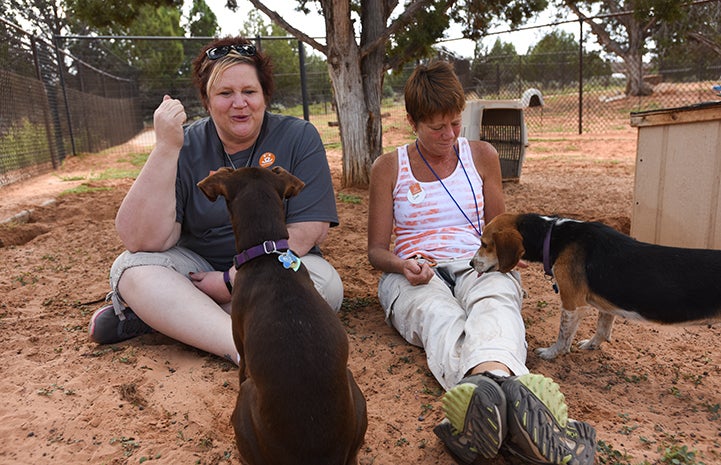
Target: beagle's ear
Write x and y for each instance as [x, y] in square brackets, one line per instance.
[290, 186]
[509, 248]
[216, 183]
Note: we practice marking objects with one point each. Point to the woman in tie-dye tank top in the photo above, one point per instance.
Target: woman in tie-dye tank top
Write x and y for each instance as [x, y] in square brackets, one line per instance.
[429, 201]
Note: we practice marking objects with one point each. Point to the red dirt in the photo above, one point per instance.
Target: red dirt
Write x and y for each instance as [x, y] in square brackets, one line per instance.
[649, 392]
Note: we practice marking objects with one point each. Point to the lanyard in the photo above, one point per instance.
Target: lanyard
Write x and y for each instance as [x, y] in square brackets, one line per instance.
[475, 201]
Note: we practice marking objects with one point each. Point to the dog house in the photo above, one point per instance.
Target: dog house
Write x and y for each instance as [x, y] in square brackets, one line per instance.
[677, 186]
[501, 123]
[532, 98]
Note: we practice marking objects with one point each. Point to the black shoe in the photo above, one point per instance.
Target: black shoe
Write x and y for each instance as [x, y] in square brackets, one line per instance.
[107, 328]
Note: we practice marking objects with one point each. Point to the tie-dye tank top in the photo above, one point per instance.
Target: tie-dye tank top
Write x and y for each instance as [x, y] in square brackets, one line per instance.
[427, 221]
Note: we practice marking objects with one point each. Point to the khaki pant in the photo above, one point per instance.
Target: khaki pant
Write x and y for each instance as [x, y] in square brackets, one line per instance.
[325, 278]
[478, 320]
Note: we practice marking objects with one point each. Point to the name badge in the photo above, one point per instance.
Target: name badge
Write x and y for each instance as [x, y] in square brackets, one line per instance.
[266, 160]
[416, 194]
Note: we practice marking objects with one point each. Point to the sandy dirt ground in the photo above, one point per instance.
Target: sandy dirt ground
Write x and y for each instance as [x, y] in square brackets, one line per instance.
[652, 392]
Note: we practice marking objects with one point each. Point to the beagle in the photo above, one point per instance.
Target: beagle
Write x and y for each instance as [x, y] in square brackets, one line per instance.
[594, 265]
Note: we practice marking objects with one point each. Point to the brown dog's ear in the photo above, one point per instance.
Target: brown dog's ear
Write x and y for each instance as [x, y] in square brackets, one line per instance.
[509, 248]
[215, 183]
[291, 185]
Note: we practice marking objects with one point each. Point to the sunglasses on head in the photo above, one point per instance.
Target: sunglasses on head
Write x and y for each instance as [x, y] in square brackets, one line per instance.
[247, 50]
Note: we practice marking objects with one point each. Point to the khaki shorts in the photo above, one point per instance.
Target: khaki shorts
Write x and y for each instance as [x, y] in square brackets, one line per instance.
[326, 279]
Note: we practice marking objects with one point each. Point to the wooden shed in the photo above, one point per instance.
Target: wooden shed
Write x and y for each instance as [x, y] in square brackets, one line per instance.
[677, 187]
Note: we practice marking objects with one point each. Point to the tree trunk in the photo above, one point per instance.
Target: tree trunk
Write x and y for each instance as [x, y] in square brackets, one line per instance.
[356, 73]
[635, 85]
[633, 57]
[373, 17]
[356, 88]
[354, 118]
[630, 50]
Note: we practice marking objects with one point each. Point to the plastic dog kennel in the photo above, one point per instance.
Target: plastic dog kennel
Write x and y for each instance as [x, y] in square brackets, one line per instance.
[500, 123]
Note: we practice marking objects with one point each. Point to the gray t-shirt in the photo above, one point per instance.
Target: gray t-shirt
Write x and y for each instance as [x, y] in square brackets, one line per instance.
[297, 147]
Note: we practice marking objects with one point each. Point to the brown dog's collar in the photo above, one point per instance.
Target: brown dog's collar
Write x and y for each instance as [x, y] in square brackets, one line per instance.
[266, 248]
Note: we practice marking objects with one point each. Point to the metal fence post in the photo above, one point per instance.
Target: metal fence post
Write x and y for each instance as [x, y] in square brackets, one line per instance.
[580, 77]
[303, 82]
[59, 56]
[48, 127]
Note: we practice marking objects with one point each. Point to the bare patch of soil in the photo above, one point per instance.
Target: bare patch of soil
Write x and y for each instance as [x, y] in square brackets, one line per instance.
[63, 399]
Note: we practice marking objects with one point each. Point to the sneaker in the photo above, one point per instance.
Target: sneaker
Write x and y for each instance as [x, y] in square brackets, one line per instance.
[475, 419]
[539, 430]
[107, 328]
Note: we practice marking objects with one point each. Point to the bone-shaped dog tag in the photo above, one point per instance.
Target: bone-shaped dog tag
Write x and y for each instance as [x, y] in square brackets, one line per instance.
[289, 260]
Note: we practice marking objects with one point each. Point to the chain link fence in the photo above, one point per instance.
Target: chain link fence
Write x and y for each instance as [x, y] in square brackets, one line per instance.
[55, 105]
[85, 94]
[594, 102]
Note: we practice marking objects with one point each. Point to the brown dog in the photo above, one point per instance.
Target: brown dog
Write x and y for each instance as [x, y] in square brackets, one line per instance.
[597, 266]
[298, 402]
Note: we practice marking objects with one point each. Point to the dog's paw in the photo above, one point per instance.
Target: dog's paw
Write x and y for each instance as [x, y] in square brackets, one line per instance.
[589, 344]
[547, 353]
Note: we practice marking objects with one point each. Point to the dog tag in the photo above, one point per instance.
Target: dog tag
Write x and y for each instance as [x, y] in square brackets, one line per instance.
[289, 260]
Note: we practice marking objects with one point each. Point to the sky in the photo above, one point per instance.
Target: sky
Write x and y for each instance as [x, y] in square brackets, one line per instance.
[314, 26]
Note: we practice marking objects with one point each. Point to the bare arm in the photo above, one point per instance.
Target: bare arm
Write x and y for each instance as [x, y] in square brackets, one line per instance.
[380, 224]
[304, 235]
[146, 218]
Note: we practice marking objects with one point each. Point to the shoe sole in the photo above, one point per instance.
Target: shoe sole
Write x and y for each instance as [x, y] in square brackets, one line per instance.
[457, 444]
[478, 410]
[538, 421]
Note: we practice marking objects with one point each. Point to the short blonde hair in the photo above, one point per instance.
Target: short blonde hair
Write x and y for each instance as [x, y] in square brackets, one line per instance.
[432, 90]
[222, 65]
[206, 71]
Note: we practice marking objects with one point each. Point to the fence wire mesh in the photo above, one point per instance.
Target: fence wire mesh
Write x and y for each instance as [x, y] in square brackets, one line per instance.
[595, 103]
[86, 94]
[55, 105]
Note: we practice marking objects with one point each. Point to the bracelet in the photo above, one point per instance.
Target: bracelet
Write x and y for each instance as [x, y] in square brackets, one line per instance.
[226, 279]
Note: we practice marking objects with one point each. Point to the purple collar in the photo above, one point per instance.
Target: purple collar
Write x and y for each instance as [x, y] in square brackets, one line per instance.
[266, 248]
[547, 251]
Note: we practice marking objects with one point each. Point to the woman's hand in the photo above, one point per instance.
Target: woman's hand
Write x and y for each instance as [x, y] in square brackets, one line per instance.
[212, 284]
[168, 121]
[417, 272]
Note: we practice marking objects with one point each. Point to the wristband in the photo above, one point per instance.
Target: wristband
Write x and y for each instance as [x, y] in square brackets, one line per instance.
[226, 279]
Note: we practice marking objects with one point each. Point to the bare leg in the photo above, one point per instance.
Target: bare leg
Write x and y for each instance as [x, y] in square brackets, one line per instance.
[489, 366]
[172, 305]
